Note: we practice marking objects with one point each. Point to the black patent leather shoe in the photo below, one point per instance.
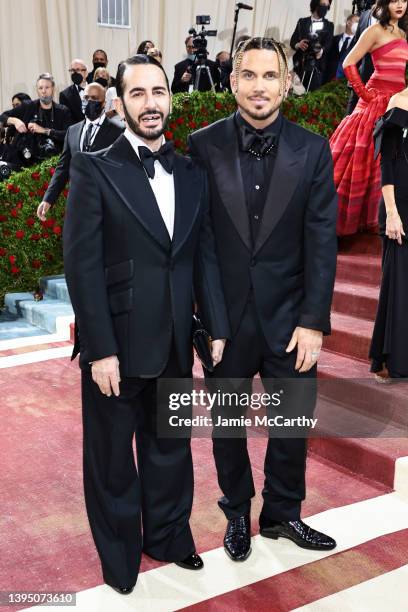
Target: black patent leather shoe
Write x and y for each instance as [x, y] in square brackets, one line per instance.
[237, 539]
[122, 590]
[297, 531]
[192, 562]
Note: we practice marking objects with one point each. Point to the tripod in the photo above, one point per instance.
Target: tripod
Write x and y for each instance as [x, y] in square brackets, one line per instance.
[202, 68]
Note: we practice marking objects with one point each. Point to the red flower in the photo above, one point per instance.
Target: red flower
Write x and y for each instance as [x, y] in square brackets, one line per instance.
[10, 187]
[35, 236]
[36, 263]
[20, 234]
[19, 205]
[304, 108]
[172, 125]
[14, 212]
[15, 270]
[41, 192]
[3, 218]
[30, 222]
[192, 125]
[45, 235]
[180, 120]
[52, 171]
[31, 194]
[218, 106]
[12, 259]
[168, 135]
[35, 176]
[57, 230]
[65, 193]
[316, 112]
[16, 189]
[45, 185]
[178, 143]
[3, 251]
[204, 123]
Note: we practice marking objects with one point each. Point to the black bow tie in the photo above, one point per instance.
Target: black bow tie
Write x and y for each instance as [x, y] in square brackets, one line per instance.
[256, 142]
[165, 155]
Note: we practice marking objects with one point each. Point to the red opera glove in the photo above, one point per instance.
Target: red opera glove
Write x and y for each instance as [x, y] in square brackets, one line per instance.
[354, 78]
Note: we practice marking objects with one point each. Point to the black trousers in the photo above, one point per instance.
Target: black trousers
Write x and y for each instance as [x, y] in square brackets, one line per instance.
[285, 461]
[133, 509]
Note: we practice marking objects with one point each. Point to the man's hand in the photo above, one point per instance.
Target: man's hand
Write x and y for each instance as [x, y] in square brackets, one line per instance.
[18, 124]
[34, 128]
[217, 349]
[42, 210]
[309, 343]
[302, 44]
[105, 372]
[186, 78]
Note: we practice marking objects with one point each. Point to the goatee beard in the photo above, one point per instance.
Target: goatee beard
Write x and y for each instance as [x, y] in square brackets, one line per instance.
[134, 126]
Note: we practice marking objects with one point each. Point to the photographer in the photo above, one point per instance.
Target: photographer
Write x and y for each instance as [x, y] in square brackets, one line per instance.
[185, 71]
[40, 124]
[312, 40]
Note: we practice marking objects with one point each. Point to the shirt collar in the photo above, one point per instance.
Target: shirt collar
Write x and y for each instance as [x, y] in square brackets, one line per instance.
[273, 128]
[137, 142]
[97, 121]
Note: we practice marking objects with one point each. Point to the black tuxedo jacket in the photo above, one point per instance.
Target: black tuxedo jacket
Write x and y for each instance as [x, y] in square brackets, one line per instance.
[70, 97]
[302, 30]
[291, 267]
[131, 286]
[335, 56]
[107, 134]
[178, 86]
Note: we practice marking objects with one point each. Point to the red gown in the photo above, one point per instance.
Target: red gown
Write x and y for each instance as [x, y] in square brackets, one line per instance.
[356, 172]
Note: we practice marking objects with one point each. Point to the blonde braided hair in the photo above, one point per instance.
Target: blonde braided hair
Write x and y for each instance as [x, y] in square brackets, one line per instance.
[263, 43]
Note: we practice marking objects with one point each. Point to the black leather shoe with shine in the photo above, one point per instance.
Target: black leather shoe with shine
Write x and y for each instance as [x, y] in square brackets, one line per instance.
[192, 562]
[237, 539]
[122, 590]
[297, 531]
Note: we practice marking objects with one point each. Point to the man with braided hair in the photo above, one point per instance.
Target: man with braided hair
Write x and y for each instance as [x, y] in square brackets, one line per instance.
[273, 205]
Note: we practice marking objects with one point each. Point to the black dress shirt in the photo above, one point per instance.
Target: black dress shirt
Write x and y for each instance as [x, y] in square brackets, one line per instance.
[257, 170]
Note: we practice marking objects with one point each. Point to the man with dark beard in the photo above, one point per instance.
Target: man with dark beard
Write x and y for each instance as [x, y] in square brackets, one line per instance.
[273, 205]
[137, 232]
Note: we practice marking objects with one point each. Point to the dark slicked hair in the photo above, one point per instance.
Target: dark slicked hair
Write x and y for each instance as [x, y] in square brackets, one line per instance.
[315, 3]
[135, 60]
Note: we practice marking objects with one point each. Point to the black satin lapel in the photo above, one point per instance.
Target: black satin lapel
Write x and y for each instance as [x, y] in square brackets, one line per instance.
[187, 201]
[227, 173]
[131, 184]
[285, 177]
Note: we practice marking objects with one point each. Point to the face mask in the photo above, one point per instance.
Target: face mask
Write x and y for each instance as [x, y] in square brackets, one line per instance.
[46, 99]
[99, 65]
[93, 109]
[322, 11]
[101, 81]
[191, 56]
[354, 28]
[76, 78]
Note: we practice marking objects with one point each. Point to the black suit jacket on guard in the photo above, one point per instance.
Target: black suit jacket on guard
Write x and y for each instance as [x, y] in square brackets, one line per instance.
[291, 268]
[70, 97]
[130, 285]
[106, 135]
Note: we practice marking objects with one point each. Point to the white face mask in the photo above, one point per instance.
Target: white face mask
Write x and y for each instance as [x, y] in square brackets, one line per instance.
[354, 28]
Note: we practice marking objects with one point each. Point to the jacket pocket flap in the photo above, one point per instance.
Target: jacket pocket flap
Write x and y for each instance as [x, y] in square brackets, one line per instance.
[121, 301]
[117, 273]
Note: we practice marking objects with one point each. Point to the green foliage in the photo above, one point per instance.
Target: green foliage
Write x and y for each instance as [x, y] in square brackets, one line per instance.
[30, 248]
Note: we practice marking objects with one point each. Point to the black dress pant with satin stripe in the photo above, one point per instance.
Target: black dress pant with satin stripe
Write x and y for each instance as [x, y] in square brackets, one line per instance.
[285, 462]
[133, 509]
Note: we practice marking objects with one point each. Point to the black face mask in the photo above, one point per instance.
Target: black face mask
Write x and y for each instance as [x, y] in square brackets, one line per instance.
[93, 109]
[322, 11]
[76, 78]
[101, 81]
[99, 65]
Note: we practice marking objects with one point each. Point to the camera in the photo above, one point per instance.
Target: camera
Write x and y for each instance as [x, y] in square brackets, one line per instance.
[200, 37]
[45, 148]
[5, 171]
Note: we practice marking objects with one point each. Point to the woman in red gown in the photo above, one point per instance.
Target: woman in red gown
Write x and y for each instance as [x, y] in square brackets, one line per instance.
[356, 172]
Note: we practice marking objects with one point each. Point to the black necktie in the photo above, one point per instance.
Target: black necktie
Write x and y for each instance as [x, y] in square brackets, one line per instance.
[165, 155]
[87, 140]
[256, 142]
[344, 47]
